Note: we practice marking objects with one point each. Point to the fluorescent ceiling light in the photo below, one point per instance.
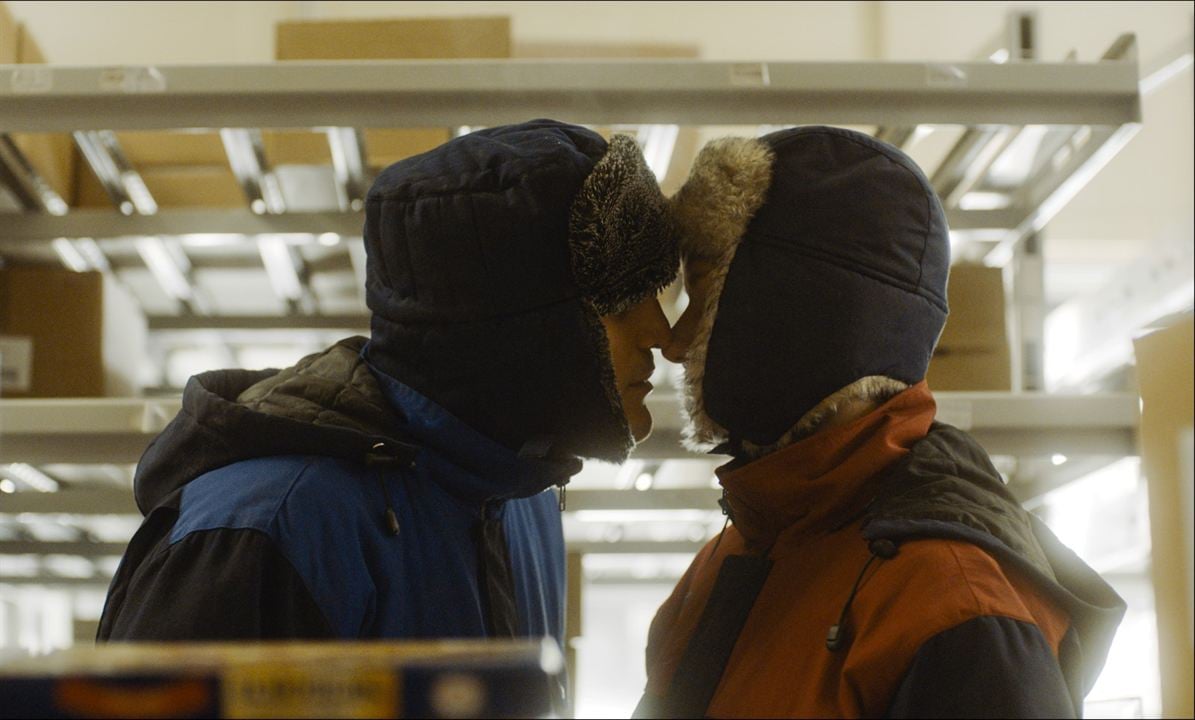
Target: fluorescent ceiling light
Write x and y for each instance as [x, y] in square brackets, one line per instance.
[165, 268]
[979, 200]
[280, 267]
[1164, 74]
[32, 477]
[143, 201]
[70, 255]
[90, 249]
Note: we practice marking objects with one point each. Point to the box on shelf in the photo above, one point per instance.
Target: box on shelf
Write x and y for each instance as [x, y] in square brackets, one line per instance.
[973, 352]
[52, 155]
[68, 334]
[171, 186]
[184, 147]
[393, 39]
[389, 39]
[8, 36]
[452, 678]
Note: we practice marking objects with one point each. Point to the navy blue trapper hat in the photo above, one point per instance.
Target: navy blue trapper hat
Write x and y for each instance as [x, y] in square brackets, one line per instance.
[831, 254]
[490, 262]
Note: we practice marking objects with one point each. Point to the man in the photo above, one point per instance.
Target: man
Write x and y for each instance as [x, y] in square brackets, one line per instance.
[875, 564]
[398, 488]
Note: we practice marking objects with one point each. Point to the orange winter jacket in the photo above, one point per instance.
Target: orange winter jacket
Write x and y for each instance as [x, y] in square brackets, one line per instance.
[895, 576]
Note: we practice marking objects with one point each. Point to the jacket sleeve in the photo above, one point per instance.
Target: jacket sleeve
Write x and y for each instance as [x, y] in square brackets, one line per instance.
[220, 584]
[987, 667]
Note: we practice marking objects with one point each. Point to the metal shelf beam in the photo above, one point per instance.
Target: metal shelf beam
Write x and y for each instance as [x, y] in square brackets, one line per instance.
[1031, 424]
[418, 93]
[101, 225]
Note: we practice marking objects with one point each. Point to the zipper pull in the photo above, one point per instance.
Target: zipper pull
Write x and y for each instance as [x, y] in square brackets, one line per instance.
[562, 487]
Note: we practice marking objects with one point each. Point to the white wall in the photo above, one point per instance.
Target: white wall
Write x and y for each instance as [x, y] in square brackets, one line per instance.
[114, 33]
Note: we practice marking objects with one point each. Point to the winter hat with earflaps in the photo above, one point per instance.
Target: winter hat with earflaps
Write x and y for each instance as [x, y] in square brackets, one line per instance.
[490, 262]
[830, 253]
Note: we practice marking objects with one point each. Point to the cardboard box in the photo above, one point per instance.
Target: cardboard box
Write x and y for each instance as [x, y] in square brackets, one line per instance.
[973, 353]
[179, 186]
[8, 36]
[68, 334]
[186, 147]
[392, 39]
[1164, 374]
[52, 155]
[450, 678]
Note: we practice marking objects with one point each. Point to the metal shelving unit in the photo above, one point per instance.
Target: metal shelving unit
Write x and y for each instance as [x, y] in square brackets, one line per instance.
[1011, 424]
[1089, 111]
[117, 431]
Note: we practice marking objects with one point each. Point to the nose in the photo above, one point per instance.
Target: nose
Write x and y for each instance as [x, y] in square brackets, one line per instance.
[658, 334]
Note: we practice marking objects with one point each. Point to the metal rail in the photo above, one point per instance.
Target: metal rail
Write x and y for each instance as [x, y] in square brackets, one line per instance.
[423, 93]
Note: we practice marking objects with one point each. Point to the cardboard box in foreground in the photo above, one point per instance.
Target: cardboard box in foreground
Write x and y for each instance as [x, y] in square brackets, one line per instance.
[1164, 373]
[451, 678]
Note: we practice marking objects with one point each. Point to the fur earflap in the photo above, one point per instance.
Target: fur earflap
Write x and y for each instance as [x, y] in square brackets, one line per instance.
[873, 388]
[621, 234]
[727, 185]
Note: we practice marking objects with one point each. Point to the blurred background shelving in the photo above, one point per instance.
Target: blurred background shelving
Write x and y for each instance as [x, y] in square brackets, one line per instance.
[198, 198]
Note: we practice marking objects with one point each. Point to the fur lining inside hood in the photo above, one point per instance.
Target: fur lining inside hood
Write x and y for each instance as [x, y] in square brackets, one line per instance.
[727, 185]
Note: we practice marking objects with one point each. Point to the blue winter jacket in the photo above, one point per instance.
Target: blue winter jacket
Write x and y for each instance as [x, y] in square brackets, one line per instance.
[330, 500]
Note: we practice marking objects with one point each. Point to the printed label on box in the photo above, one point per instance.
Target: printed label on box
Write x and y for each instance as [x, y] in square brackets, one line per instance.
[310, 692]
[16, 363]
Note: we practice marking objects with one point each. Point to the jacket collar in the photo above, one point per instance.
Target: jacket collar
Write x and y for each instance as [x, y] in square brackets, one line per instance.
[823, 481]
[492, 472]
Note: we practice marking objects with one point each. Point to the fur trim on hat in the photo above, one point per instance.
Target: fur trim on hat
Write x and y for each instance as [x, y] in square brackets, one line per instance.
[873, 388]
[726, 187]
[621, 235]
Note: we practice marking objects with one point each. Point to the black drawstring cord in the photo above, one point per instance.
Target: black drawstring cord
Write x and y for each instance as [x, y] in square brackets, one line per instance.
[883, 549]
[376, 456]
[542, 449]
[729, 513]
[391, 517]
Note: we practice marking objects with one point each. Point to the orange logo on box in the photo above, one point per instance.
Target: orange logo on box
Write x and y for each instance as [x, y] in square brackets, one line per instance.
[93, 699]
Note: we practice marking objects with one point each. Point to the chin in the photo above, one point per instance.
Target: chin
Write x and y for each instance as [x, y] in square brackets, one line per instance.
[640, 424]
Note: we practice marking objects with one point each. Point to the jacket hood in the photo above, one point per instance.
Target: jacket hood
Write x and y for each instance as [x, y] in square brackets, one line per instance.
[327, 404]
[910, 479]
[947, 487]
[830, 254]
[491, 260]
